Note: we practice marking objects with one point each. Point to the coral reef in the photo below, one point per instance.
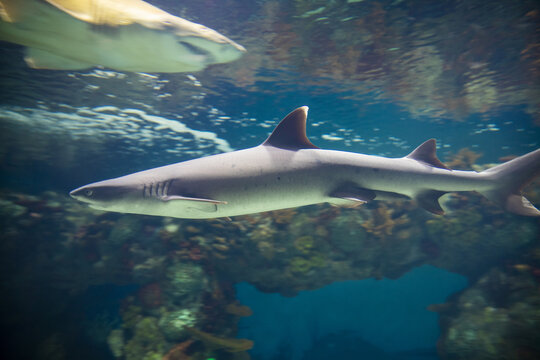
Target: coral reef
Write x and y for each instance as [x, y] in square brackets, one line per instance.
[382, 222]
[217, 342]
[115, 340]
[464, 159]
[174, 324]
[178, 352]
[185, 282]
[147, 342]
[183, 306]
[442, 61]
[464, 231]
[498, 317]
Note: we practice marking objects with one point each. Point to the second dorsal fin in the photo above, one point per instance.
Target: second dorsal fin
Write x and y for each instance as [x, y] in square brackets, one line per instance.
[291, 132]
[426, 153]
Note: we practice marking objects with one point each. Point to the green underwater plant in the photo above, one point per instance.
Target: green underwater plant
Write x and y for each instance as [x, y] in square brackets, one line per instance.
[147, 343]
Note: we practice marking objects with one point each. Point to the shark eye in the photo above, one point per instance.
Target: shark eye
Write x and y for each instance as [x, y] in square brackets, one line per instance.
[89, 192]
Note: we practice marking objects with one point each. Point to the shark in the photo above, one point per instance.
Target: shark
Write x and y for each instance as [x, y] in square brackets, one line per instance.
[124, 35]
[288, 171]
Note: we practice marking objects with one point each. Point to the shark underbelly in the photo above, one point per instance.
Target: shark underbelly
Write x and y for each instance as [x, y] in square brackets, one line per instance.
[260, 195]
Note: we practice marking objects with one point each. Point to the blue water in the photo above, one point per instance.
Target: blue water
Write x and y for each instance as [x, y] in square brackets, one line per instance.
[389, 314]
[379, 77]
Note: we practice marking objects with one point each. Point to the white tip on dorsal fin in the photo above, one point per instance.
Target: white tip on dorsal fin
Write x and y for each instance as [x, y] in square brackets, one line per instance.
[427, 153]
[291, 132]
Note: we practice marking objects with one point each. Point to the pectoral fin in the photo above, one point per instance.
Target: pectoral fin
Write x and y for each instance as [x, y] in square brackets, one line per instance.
[351, 195]
[186, 198]
[429, 200]
[199, 204]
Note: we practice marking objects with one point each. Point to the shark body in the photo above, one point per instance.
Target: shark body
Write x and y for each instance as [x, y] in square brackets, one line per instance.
[287, 170]
[125, 35]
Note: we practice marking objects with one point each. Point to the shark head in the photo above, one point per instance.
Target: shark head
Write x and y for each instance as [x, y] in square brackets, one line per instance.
[140, 193]
[200, 41]
[125, 35]
[176, 43]
[109, 195]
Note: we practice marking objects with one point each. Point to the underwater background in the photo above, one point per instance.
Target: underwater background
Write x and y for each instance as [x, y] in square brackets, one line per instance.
[387, 280]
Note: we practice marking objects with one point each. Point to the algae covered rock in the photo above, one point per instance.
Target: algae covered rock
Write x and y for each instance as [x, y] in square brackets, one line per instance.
[126, 228]
[468, 241]
[173, 324]
[147, 343]
[115, 340]
[498, 317]
[185, 282]
[9, 209]
[347, 233]
[148, 270]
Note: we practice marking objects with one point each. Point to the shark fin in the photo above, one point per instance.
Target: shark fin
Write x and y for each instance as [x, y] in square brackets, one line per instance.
[291, 132]
[429, 200]
[350, 194]
[204, 205]
[427, 153]
[509, 180]
[41, 59]
[185, 198]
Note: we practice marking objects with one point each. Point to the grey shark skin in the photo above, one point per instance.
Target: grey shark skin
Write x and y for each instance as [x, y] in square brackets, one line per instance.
[287, 170]
[125, 35]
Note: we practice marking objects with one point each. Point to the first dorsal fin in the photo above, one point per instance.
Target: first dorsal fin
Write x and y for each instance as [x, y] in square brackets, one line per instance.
[291, 132]
[426, 153]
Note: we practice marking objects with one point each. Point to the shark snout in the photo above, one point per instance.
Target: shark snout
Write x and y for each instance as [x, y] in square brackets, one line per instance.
[80, 193]
[238, 47]
[231, 52]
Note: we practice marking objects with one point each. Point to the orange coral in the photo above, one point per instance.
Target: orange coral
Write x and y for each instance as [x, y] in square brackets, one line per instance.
[178, 352]
[464, 159]
[238, 310]
[215, 342]
[282, 216]
[382, 224]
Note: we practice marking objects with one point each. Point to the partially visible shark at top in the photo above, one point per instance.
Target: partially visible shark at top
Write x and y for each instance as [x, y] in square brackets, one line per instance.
[287, 171]
[124, 35]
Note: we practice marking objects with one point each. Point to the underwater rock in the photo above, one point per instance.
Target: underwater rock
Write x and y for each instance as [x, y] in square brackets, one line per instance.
[216, 342]
[464, 159]
[348, 235]
[264, 231]
[124, 229]
[468, 240]
[150, 295]
[147, 343]
[52, 347]
[178, 351]
[173, 324]
[151, 269]
[305, 249]
[185, 283]
[9, 209]
[115, 340]
[266, 249]
[498, 317]
[238, 310]
[383, 223]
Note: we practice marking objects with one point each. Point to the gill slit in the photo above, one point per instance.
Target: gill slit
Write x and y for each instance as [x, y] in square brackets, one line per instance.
[157, 190]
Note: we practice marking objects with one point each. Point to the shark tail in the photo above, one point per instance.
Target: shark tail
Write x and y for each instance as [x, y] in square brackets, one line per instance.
[510, 178]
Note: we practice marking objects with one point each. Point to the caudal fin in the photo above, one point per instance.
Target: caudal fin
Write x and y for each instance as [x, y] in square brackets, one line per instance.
[510, 178]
